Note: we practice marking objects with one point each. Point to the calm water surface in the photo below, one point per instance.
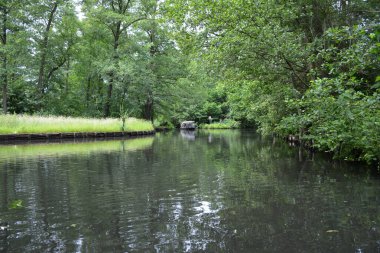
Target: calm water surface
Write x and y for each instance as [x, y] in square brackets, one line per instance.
[216, 191]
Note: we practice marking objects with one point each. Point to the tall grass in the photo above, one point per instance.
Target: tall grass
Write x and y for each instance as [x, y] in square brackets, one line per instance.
[18, 124]
[133, 124]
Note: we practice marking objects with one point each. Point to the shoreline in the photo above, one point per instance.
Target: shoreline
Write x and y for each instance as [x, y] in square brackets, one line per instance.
[6, 138]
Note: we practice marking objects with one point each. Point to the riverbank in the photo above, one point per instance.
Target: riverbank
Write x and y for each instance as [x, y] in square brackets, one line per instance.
[23, 127]
[81, 135]
[226, 124]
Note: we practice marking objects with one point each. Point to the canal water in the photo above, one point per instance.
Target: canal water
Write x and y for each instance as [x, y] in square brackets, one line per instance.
[205, 191]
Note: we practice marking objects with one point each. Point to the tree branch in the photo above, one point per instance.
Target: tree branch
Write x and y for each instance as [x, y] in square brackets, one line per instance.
[59, 65]
[292, 69]
[131, 23]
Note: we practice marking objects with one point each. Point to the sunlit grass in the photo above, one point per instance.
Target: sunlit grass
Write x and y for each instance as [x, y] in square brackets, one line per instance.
[226, 124]
[133, 124]
[20, 124]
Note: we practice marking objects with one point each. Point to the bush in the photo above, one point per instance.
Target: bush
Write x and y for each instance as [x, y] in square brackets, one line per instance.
[341, 111]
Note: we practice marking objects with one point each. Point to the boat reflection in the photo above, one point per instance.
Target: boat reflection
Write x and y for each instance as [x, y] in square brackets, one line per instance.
[188, 134]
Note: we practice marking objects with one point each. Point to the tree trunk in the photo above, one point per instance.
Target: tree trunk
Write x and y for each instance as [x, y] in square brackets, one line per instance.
[4, 75]
[88, 86]
[45, 42]
[67, 75]
[107, 104]
[5, 86]
[148, 110]
[345, 5]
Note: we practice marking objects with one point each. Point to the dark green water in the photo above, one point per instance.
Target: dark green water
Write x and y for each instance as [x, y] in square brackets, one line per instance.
[218, 191]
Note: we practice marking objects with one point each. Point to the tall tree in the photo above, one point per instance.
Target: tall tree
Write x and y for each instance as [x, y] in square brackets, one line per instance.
[117, 16]
[52, 8]
[161, 63]
[50, 39]
[4, 9]
[10, 24]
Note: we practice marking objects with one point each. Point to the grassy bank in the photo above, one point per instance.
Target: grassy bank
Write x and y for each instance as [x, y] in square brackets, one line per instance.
[19, 124]
[226, 124]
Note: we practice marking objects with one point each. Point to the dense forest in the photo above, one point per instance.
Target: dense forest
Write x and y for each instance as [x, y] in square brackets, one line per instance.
[309, 68]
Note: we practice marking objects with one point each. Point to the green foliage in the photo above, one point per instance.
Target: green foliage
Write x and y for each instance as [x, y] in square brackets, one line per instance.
[346, 124]
[290, 67]
[304, 67]
[257, 102]
[118, 54]
[340, 113]
[216, 105]
[190, 93]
